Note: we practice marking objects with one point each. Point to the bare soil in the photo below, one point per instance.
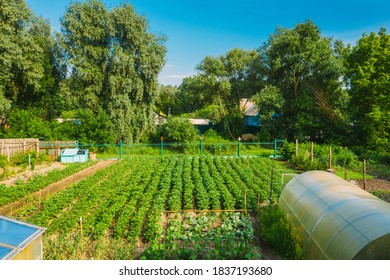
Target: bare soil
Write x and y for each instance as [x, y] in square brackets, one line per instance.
[41, 169]
[375, 185]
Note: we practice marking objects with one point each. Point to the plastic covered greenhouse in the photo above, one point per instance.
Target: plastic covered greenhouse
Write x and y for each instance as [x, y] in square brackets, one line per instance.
[337, 219]
[19, 240]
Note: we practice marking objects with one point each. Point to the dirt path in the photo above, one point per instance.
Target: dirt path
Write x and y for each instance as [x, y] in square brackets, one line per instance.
[375, 185]
[55, 187]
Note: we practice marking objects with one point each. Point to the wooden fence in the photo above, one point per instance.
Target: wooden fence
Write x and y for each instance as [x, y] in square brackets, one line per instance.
[11, 147]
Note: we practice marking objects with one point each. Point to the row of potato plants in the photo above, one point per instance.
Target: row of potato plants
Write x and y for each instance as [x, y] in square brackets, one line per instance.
[61, 212]
[153, 230]
[38, 182]
[100, 220]
[128, 200]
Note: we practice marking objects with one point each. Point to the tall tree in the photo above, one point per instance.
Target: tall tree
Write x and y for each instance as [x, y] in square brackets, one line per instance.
[23, 66]
[166, 99]
[223, 81]
[85, 38]
[305, 68]
[369, 80]
[113, 62]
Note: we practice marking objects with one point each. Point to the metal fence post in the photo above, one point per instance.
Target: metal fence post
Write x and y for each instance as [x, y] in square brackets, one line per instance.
[201, 145]
[239, 146]
[120, 149]
[274, 147]
[162, 145]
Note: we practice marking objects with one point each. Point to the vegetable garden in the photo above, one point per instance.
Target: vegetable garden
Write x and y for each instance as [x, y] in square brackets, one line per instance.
[140, 207]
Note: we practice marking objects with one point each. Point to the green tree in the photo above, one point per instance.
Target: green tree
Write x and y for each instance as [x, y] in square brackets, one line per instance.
[223, 81]
[24, 68]
[307, 70]
[369, 80]
[178, 130]
[85, 34]
[166, 99]
[270, 102]
[27, 124]
[113, 63]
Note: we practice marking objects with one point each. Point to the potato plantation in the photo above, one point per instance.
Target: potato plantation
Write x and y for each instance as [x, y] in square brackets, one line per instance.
[157, 208]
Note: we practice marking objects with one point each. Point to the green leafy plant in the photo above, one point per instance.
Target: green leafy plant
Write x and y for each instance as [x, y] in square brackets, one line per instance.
[276, 231]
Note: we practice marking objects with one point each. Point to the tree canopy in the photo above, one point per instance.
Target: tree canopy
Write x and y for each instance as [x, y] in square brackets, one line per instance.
[113, 63]
[369, 81]
[102, 68]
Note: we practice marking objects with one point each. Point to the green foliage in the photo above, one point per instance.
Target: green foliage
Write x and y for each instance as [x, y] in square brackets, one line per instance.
[369, 80]
[4, 166]
[211, 136]
[341, 156]
[306, 70]
[275, 230]
[114, 64]
[270, 102]
[221, 83]
[178, 130]
[195, 238]
[27, 158]
[27, 124]
[382, 194]
[92, 128]
[211, 112]
[166, 99]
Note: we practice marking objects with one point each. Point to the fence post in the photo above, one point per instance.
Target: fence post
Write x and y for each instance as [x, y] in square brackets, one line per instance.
[239, 146]
[274, 147]
[58, 149]
[364, 174]
[24, 146]
[312, 152]
[296, 147]
[201, 145]
[161, 145]
[120, 149]
[8, 154]
[37, 147]
[330, 157]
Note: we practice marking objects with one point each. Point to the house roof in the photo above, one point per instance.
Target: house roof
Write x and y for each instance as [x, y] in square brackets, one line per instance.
[249, 107]
[200, 121]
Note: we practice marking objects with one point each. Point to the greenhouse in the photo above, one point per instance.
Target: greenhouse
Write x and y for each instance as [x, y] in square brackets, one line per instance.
[337, 219]
[19, 240]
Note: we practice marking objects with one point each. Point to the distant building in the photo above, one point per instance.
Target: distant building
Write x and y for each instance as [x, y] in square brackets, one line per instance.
[201, 124]
[251, 112]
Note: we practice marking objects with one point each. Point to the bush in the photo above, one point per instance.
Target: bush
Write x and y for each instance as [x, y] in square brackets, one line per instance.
[178, 130]
[276, 231]
[4, 166]
[341, 156]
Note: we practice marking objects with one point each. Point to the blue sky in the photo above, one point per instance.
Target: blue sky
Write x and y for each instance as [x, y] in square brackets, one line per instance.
[196, 29]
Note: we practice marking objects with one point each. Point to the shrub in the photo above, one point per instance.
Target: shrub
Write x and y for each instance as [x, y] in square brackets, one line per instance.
[276, 231]
[178, 130]
[340, 156]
